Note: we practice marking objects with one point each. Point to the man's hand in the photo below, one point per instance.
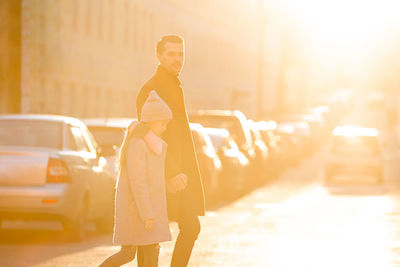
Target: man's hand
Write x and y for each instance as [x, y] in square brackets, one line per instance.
[177, 183]
[148, 225]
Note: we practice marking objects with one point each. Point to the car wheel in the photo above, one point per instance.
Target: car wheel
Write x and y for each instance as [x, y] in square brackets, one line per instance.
[76, 229]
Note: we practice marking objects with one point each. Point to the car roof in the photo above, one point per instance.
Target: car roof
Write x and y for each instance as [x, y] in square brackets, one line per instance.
[267, 125]
[196, 126]
[285, 128]
[109, 122]
[217, 112]
[217, 131]
[44, 117]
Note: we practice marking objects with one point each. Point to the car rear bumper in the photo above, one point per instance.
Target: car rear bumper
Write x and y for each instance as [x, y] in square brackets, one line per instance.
[50, 201]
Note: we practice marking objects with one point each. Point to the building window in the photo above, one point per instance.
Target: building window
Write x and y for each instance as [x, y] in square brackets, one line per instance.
[111, 21]
[100, 20]
[88, 17]
[151, 30]
[86, 96]
[75, 15]
[74, 103]
[109, 94]
[127, 26]
[135, 28]
[58, 100]
[143, 31]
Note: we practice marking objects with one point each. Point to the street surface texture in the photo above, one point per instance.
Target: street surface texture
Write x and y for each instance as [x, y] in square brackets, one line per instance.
[295, 220]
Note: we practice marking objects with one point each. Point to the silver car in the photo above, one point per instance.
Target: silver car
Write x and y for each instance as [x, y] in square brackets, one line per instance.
[355, 152]
[109, 134]
[50, 170]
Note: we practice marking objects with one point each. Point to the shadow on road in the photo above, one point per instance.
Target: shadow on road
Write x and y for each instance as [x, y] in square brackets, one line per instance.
[27, 245]
[35, 236]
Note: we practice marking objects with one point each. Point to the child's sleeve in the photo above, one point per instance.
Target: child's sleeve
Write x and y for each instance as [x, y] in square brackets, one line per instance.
[137, 176]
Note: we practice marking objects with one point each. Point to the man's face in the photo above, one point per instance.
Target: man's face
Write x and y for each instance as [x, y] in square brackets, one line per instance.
[172, 57]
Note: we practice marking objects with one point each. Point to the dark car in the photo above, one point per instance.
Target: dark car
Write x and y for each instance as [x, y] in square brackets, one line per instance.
[235, 122]
[234, 162]
[209, 162]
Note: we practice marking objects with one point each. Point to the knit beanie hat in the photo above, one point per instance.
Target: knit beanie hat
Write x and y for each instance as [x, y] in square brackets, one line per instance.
[155, 109]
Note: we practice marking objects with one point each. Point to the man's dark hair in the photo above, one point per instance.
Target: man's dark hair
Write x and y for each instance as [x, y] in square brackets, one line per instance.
[168, 39]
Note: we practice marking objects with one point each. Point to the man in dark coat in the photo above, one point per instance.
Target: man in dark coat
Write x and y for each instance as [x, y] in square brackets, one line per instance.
[186, 198]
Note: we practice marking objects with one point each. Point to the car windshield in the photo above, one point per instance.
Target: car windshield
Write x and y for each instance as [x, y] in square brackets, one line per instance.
[355, 145]
[106, 136]
[30, 133]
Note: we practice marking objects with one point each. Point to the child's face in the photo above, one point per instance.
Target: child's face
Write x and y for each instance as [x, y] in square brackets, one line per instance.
[158, 127]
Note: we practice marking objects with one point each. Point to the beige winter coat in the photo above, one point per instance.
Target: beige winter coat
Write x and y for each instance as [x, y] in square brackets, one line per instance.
[141, 195]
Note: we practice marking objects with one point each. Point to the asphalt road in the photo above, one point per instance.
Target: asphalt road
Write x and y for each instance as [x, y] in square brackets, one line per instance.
[295, 221]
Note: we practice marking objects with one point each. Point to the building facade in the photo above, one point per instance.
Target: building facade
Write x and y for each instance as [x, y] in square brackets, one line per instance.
[90, 58]
[10, 55]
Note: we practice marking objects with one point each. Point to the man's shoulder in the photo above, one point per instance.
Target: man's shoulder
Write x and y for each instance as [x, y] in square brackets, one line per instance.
[147, 87]
[152, 84]
[154, 79]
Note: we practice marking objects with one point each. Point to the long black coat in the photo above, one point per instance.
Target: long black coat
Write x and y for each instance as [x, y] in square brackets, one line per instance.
[181, 157]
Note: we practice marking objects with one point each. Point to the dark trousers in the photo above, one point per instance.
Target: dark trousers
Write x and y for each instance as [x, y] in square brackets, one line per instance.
[149, 257]
[189, 229]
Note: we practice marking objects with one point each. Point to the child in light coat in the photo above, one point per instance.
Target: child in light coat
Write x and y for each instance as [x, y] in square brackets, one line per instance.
[140, 207]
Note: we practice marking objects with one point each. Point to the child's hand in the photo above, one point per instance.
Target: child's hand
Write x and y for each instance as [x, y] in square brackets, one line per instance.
[148, 225]
[177, 183]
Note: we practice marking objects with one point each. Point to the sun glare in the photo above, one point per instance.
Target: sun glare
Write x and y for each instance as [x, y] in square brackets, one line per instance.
[344, 30]
[350, 131]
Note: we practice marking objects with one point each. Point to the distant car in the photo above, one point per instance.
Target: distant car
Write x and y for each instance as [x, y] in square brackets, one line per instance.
[290, 144]
[303, 134]
[109, 134]
[355, 151]
[209, 162]
[315, 121]
[272, 140]
[262, 152]
[233, 121]
[50, 170]
[234, 162]
[325, 112]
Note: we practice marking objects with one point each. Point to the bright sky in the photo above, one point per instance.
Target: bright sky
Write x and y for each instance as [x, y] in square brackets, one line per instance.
[345, 31]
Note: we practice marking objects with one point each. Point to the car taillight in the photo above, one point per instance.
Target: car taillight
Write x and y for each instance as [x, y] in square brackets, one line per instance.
[57, 172]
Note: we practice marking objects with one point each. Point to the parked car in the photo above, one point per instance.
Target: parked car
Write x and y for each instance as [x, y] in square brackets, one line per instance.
[236, 123]
[50, 169]
[262, 153]
[315, 121]
[355, 151]
[209, 162]
[302, 132]
[289, 143]
[109, 134]
[272, 140]
[234, 162]
[326, 113]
